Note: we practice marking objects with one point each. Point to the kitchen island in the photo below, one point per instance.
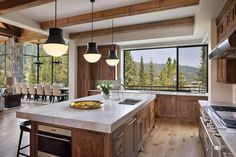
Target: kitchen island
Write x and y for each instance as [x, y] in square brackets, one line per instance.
[116, 130]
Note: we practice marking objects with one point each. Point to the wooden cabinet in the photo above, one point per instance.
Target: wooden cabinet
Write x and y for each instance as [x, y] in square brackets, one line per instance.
[130, 138]
[88, 73]
[152, 115]
[226, 71]
[118, 142]
[182, 107]
[102, 71]
[166, 105]
[226, 20]
[187, 107]
[93, 92]
[86, 144]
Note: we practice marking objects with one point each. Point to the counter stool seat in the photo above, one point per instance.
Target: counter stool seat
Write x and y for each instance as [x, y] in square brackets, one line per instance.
[24, 127]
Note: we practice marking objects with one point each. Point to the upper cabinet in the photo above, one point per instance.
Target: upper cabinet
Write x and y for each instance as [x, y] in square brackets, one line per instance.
[226, 20]
[101, 70]
[88, 73]
[226, 71]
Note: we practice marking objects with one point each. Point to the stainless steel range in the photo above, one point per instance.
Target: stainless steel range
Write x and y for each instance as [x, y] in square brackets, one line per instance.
[227, 115]
[209, 135]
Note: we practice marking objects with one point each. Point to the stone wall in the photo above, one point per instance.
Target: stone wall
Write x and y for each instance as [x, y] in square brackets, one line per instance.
[15, 51]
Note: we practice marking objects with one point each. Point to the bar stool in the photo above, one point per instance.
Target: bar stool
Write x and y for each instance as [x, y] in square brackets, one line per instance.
[24, 126]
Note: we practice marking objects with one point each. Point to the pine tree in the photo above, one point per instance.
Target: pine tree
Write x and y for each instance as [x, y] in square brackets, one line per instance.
[202, 75]
[141, 73]
[131, 78]
[151, 73]
[182, 81]
[32, 75]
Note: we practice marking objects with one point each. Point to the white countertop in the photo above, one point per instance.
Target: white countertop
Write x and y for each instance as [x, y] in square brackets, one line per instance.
[228, 135]
[162, 92]
[106, 119]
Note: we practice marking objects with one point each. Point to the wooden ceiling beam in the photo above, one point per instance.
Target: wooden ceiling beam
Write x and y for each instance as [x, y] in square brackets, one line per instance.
[9, 6]
[28, 36]
[187, 21]
[145, 7]
[9, 33]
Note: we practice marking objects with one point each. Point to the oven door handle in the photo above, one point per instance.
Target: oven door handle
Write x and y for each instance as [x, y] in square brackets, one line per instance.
[215, 147]
[55, 138]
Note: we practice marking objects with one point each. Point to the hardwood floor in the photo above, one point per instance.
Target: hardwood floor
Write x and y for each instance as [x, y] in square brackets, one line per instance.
[10, 131]
[170, 138]
[173, 138]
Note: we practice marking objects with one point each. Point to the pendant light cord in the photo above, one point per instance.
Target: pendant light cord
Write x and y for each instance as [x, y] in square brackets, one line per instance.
[112, 40]
[92, 21]
[55, 13]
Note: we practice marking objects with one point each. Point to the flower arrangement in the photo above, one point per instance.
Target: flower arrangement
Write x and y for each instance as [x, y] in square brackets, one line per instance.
[105, 87]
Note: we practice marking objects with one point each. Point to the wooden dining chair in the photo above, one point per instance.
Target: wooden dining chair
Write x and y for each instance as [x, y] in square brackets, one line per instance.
[25, 91]
[57, 93]
[32, 91]
[47, 93]
[40, 92]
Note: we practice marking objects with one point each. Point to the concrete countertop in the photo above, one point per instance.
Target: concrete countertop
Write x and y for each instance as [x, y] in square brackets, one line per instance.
[161, 92]
[228, 135]
[106, 119]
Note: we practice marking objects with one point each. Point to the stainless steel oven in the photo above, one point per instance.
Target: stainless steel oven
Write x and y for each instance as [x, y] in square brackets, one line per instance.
[53, 142]
[209, 135]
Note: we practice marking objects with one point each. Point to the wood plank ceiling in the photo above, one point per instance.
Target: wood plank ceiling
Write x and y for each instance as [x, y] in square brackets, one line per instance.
[9, 6]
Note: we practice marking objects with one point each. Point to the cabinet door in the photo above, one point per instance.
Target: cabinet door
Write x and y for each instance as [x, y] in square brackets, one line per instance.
[187, 107]
[130, 138]
[221, 70]
[118, 142]
[167, 106]
[138, 131]
[152, 115]
[86, 144]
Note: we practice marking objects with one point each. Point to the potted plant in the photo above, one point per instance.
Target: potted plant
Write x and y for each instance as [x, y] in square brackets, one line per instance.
[105, 89]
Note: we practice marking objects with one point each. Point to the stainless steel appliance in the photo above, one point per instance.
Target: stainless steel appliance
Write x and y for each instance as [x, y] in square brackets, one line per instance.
[227, 115]
[226, 49]
[209, 135]
[53, 142]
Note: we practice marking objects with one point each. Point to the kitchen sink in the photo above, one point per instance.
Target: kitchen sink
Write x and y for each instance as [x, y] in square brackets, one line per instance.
[130, 101]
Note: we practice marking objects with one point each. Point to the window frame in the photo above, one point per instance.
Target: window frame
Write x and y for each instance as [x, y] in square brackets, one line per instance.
[37, 56]
[177, 62]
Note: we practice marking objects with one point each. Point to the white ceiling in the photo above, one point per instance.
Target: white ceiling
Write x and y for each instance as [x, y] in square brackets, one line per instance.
[73, 7]
[204, 13]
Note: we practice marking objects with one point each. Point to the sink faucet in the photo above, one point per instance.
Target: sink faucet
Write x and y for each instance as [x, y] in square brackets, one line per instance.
[122, 91]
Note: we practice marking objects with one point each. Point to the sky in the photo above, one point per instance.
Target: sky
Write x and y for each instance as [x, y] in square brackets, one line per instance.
[187, 56]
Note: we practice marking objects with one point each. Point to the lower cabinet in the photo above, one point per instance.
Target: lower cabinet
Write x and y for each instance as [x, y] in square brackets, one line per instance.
[182, 107]
[88, 144]
[130, 137]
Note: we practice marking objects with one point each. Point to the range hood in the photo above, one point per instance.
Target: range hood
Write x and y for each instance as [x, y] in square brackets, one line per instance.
[226, 49]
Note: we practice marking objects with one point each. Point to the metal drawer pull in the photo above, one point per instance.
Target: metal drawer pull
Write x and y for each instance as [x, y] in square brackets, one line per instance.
[55, 138]
[132, 121]
[118, 153]
[120, 135]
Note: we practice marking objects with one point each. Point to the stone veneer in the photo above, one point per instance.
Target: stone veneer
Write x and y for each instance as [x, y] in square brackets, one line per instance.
[15, 51]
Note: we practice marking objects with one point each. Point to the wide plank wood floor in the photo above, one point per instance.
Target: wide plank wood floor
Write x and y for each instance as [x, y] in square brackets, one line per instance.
[170, 138]
[173, 138]
[10, 131]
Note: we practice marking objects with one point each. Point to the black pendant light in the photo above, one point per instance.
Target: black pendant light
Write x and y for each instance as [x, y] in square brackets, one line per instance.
[55, 44]
[112, 58]
[92, 54]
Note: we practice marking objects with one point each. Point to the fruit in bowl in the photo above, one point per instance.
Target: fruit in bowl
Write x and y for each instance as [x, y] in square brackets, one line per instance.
[86, 104]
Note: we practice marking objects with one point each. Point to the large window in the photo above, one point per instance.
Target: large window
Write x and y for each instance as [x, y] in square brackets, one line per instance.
[42, 68]
[173, 68]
